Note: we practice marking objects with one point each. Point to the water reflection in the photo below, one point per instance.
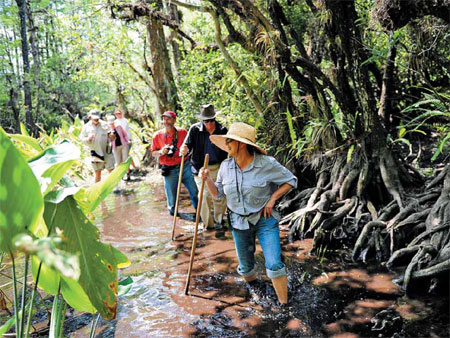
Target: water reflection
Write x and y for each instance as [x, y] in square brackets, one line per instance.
[138, 224]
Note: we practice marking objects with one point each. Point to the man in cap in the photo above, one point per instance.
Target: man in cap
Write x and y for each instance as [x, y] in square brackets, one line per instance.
[165, 146]
[199, 144]
[95, 135]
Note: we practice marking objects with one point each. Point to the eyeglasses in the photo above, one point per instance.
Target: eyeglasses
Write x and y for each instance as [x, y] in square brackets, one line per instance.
[209, 121]
[228, 140]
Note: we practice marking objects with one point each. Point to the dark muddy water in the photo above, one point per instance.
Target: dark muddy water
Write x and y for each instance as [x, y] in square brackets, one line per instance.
[327, 299]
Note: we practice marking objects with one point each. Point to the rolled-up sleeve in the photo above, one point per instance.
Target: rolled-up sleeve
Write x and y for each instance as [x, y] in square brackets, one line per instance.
[218, 183]
[279, 174]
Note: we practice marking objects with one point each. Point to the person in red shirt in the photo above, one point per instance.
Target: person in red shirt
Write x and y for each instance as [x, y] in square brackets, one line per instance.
[165, 146]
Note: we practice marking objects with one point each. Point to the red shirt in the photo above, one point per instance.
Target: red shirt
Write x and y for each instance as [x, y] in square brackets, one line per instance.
[161, 138]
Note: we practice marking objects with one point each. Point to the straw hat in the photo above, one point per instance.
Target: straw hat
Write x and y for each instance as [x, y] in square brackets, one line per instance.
[238, 131]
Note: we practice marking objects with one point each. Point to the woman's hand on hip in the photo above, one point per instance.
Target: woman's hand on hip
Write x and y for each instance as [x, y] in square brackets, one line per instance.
[267, 210]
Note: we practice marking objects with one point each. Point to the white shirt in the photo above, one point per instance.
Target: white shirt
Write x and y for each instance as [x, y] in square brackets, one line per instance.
[98, 144]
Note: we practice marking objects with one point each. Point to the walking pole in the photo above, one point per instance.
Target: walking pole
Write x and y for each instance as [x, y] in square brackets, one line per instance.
[197, 219]
[180, 178]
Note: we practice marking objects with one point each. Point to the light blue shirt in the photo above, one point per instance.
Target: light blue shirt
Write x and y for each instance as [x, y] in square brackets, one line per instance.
[249, 190]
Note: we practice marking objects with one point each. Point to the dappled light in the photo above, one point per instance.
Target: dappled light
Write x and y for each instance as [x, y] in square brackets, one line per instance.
[356, 278]
[239, 168]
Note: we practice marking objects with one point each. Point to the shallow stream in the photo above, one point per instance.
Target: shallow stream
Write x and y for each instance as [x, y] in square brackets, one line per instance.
[327, 298]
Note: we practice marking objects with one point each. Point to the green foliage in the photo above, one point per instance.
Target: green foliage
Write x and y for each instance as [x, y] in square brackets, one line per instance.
[59, 309]
[91, 286]
[206, 78]
[51, 165]
[291, 129]
[80, 64]
[18, 210]
[8, 325]
[125, 286]
[32, 145]
[429, 113]
[90, 198]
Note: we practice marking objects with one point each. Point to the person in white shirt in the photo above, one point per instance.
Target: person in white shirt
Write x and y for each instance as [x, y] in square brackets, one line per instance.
[122, 121]
[95, 135]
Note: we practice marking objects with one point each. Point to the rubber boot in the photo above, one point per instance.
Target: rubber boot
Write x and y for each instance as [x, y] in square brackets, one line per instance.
[280, 286]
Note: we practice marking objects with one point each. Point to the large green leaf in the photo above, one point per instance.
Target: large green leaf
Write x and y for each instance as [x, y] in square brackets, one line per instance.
[51, 165]
[60, 195]
[48, 278]
[23, 129]
[72, 291]
[91, 197]
[21, 203]
[75, 296]
[28, 140]
[98, 265]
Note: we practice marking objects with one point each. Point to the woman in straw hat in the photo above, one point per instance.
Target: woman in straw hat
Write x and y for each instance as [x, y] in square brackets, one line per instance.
[252, 182]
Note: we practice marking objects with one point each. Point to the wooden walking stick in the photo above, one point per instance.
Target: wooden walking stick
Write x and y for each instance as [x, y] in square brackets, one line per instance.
[180, 178]
[197, 219]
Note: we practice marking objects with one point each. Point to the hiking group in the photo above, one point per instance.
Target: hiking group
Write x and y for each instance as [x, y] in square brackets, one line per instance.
[242, 182]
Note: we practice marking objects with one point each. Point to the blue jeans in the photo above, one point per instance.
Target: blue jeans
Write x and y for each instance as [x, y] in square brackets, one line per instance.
[171, 185]
[269, 238]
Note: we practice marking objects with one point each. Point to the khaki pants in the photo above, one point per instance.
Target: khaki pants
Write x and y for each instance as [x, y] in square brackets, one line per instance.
[208, 203]
[121, 153]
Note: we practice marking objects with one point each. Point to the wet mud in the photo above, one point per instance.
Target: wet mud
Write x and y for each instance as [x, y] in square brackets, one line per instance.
[328, 297]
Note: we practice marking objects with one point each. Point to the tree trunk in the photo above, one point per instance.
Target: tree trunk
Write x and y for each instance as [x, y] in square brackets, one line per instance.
[36, 68]
[26, 66]
[13, 102]
[165, 87]
[174, 38]
[120, 97]
[385, 108]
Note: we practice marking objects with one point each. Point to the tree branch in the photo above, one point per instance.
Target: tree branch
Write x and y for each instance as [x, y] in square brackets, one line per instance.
[241, 77]
[131, 12]
[192, 7]
[394, 14]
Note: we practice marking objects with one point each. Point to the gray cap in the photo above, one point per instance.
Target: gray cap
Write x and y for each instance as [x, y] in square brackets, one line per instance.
[94, 114]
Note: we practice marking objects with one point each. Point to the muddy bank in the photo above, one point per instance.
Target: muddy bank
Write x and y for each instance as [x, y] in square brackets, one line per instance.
[329, 297]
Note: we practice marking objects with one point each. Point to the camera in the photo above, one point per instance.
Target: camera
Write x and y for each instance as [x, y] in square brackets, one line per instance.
[172, 150]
